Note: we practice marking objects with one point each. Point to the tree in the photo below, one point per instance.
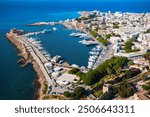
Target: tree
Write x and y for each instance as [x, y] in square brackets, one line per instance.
[73, 71]
[125, 90]
[145, 87]
[94, 34]
[102, 41]
[115, 26]
[109, 70]
[72, 95]
[79, 92]
[128, 46]
[79, 74]
[67, 94]
[110, 66]
[128, 73]
[107, 36]
[91, 77]
[130, 63]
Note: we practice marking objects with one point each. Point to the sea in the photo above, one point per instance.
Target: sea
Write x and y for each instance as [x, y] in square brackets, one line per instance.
[17, 83]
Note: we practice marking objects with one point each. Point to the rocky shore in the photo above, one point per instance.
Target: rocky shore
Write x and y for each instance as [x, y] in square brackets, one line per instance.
[26, 59]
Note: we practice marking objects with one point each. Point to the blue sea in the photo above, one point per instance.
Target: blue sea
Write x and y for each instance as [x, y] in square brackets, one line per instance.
[18, 83]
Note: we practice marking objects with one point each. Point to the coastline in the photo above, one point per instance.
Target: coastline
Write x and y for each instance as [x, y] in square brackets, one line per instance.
[27, 58]
[33, 55]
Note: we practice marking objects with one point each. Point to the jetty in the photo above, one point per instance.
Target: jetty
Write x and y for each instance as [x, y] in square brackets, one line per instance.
[49, 67]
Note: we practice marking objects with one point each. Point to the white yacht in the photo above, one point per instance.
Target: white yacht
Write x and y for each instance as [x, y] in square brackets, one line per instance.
[54, 28]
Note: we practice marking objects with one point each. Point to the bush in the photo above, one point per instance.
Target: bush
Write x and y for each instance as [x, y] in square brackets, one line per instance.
[98, 85]
[79, 74]
[107, 36]
[67, 94]
[130, 63]
[128, 46]
[94, 34]
[72, 95]
[98, 94]
[115, 26]
[77, 93]
[128, 74]
[91, 77]
[146, 87]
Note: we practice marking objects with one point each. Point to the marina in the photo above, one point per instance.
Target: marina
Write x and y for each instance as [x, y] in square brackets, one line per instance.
[61, 43]
[50, 66]
[87, 39]
[41, 32]
[88, 42]
[81, 35]
[94, 55]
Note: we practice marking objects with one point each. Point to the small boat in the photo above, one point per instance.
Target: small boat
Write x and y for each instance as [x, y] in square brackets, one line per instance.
[54, 29]
[91, 43]
[72, 34]
[40, 48]
[44, 52]
[94, 53]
